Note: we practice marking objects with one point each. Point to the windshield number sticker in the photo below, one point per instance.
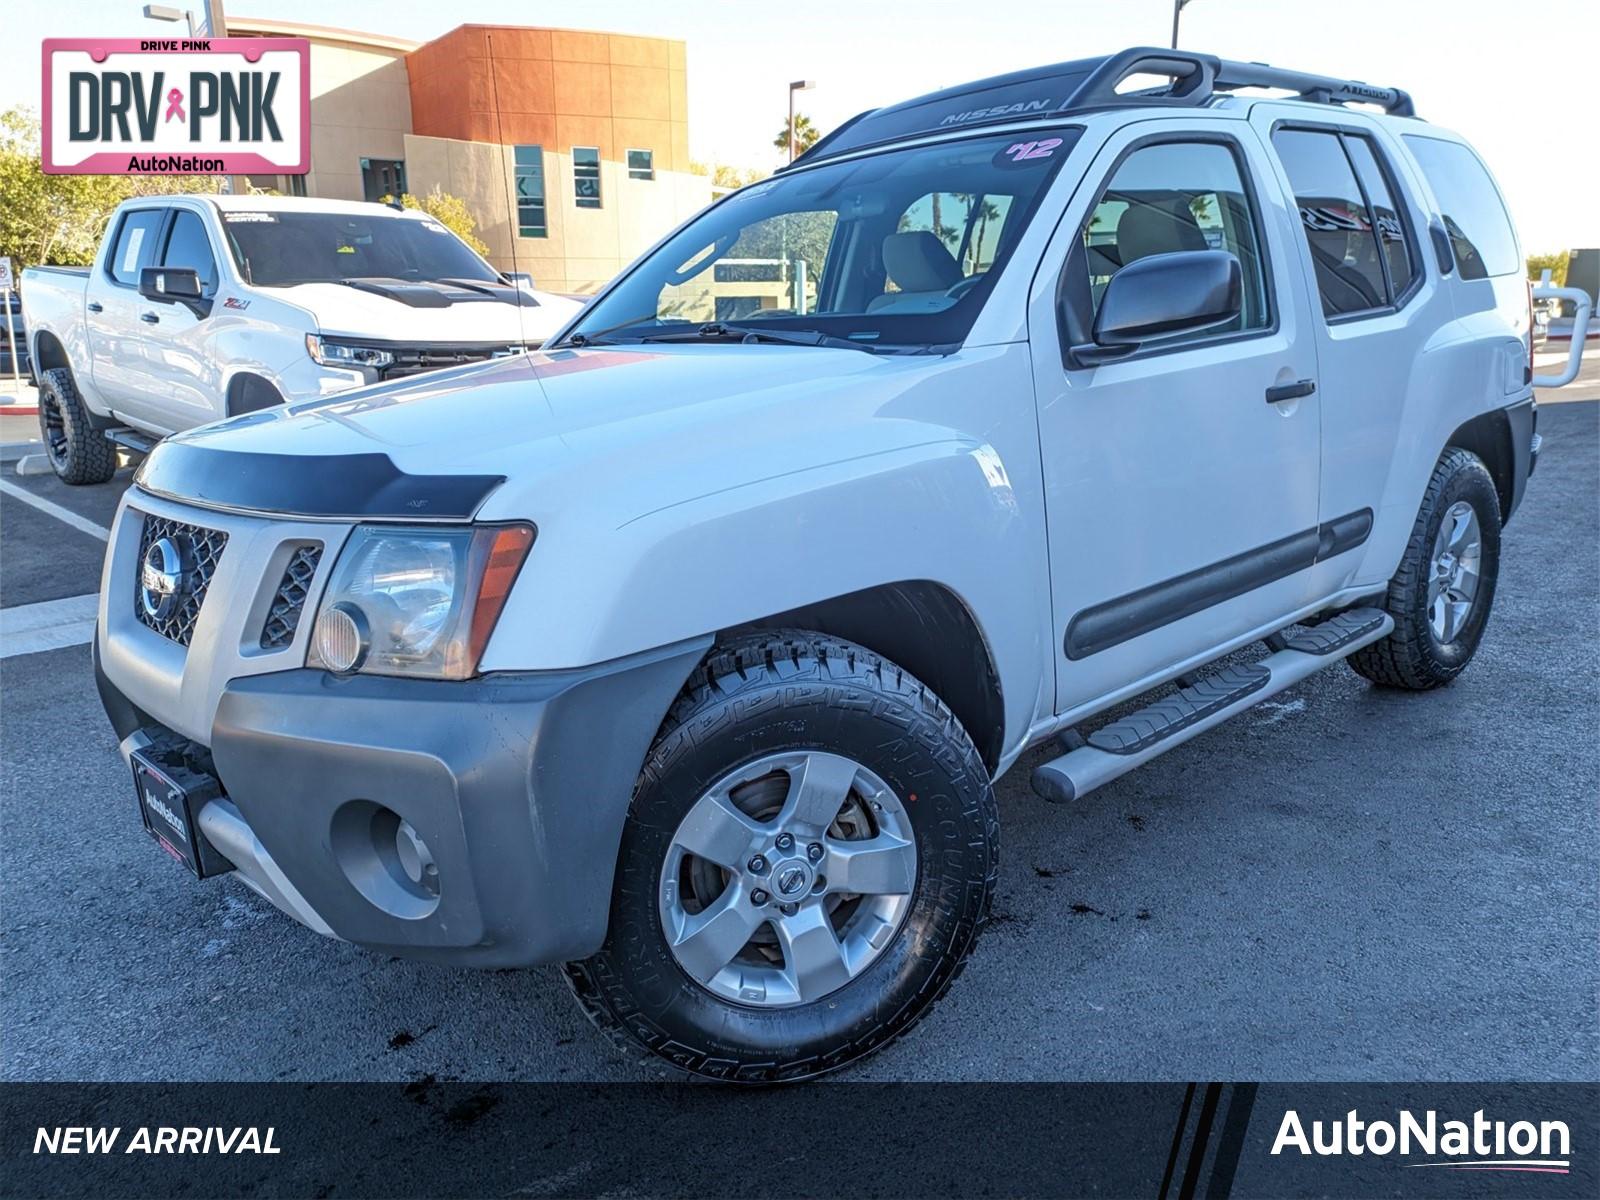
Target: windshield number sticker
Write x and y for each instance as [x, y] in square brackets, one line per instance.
[249, 217]
[1023, 152]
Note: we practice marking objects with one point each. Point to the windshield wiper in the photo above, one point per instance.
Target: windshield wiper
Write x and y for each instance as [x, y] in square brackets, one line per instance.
[722, 331]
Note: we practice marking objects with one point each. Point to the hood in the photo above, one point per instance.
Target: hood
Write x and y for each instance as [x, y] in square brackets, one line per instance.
[569, 421]
[431, 313]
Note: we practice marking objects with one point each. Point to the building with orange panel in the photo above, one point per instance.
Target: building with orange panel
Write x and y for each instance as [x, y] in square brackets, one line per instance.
[570, 148]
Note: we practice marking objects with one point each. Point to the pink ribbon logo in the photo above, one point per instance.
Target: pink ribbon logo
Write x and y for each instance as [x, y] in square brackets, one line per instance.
[175, 105]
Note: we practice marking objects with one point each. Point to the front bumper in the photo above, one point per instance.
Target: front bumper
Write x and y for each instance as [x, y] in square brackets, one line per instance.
[518, 784]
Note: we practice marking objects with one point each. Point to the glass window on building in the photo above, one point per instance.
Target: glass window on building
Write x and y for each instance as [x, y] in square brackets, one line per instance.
[530, 192]
[641, 164]
[382, 177]
[586, 176]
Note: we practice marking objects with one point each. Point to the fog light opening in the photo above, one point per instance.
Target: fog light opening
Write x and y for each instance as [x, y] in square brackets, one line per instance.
[386, 859]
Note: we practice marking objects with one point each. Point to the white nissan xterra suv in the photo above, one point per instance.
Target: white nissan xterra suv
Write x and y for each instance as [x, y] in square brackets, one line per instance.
[687, 650]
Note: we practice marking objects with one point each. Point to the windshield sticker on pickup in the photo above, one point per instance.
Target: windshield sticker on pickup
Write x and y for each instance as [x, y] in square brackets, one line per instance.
[130, 256]
[1025, 153]
[434, 227]
[268, 218]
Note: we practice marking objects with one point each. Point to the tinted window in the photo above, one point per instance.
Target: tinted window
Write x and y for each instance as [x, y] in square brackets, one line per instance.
[135, 245]
[641, 164]
[1397, 247]
[1172, 197]
[1475, 218]
[530, 192]
[188, 246]
[282, 248]
[853, 249]
[1336, 221]
[586, 177]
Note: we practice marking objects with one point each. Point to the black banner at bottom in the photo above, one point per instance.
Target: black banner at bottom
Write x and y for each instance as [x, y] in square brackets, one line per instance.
[1166, 1141]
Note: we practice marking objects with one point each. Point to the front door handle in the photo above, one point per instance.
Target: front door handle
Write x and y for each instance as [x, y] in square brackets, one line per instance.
[1291, 391]
[96, 306]
[151, 319]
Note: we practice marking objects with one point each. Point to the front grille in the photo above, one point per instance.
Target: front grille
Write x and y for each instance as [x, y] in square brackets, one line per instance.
[199, 548]
[283, 618]
[414, 360]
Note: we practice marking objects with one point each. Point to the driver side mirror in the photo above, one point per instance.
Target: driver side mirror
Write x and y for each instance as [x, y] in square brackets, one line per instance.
[174, 285]
[1159, 297]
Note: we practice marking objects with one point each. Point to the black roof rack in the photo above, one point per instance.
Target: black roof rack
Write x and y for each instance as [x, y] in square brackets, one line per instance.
[1088, 84]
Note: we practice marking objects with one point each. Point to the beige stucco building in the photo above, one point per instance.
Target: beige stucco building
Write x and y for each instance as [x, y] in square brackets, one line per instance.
[570, 148]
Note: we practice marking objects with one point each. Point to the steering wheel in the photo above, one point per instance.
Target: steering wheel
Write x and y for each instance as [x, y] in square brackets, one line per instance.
[962, 286]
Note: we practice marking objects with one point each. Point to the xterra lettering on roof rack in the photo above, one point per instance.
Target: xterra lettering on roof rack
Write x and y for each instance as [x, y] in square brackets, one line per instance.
[1088, 84]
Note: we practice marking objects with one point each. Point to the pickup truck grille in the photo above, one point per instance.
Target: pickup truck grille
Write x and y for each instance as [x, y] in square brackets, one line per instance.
[283, 618]
[199, 549]
[414, 360]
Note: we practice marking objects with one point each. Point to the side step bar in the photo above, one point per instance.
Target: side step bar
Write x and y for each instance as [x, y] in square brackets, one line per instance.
[1117, 748]
[130, 439]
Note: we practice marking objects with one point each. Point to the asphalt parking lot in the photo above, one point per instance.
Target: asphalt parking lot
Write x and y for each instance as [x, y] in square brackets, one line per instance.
[1346, 884]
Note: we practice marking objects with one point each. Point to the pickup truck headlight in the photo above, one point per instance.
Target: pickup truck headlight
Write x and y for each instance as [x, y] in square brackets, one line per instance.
[419, 602]
[346, 354]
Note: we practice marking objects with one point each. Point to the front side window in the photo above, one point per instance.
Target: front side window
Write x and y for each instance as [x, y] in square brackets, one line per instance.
[1360, 250]
[188, 246]
[1172, 197]
[897, 249]
[1474, 216]
[586, 176]
[531, 221]
[135, 245]
[641, 164]
[284, 247]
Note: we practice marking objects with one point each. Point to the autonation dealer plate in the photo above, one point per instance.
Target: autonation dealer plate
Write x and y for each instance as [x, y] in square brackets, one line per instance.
[196, 106]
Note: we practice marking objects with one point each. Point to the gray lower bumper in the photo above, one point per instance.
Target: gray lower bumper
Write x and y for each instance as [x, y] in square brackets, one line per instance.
[518, 785]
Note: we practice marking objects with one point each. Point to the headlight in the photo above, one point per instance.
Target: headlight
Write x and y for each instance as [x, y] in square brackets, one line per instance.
[416, 601]
[343, 354]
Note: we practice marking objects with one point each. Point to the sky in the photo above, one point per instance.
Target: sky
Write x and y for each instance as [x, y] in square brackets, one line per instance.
[1520, 81]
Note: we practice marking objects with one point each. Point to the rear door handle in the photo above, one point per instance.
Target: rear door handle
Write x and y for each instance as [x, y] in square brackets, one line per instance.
[96, 306]
[151, 319]
[1291, 391]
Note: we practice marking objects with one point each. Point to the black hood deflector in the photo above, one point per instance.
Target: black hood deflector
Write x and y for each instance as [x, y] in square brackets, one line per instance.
[357, 487]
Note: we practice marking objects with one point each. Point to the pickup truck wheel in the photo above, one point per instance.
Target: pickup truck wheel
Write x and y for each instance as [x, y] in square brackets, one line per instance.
[807, 863]
[1441, 595]
[78, 452]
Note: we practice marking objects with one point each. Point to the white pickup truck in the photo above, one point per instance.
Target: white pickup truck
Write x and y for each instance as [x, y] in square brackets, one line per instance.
[200, 307]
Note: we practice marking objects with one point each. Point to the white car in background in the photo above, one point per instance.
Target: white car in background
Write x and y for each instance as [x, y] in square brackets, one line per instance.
[201, 307]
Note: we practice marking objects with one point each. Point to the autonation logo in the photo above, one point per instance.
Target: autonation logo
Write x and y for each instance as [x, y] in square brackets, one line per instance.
[1476, 1145]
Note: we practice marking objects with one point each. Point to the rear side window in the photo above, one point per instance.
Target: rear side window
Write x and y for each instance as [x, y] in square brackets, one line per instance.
[1176, 196]
[135, 245]
[1359, 245]
[1473, 214]
[188, 246]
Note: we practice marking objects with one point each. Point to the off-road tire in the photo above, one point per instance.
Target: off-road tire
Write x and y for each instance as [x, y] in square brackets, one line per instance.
[78, 452]
[1411, 656]
[775, 691]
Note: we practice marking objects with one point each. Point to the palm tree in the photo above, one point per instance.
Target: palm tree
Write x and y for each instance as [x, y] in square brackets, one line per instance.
[806, 135]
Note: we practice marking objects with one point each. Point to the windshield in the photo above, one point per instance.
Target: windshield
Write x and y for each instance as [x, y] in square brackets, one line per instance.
[279, 249]
[894, 250]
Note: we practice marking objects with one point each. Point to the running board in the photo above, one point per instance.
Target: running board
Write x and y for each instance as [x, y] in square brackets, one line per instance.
[131, 439]
[1135, 739]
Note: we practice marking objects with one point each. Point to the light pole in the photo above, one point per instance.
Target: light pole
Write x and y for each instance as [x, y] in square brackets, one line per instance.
[211, 25]
[1177, 7]
[799, 85]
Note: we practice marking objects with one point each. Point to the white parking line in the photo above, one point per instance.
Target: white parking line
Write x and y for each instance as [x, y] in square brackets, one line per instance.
[82, 524]
[48, 625]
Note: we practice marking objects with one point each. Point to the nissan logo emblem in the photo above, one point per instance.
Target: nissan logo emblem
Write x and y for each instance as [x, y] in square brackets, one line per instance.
[163, 579]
